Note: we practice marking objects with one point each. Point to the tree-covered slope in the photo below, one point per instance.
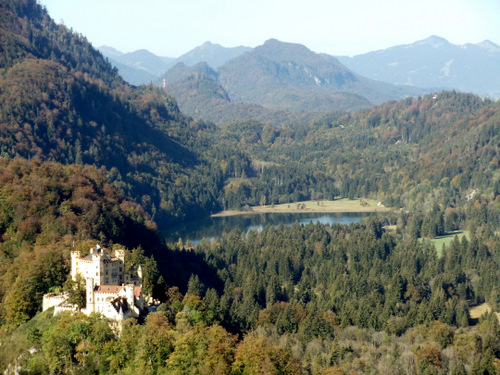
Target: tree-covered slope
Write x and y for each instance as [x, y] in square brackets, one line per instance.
[178, 168]
[29, 32]
[309, 299]
[409, 153]
[62, 101]
[46, 207]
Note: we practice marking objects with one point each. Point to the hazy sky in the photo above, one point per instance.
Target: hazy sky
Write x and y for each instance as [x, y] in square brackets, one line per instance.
[347, 27]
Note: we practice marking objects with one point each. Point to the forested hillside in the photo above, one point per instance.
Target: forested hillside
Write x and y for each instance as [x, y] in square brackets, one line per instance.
[412, 153]
[45, 208]
[309, 299]
[62, 101]
[73, 113]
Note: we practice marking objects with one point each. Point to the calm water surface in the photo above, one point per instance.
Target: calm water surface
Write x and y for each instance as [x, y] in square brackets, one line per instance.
[214, 227]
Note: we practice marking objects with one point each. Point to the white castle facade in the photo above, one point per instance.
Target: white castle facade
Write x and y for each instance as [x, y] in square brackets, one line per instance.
[110, 289]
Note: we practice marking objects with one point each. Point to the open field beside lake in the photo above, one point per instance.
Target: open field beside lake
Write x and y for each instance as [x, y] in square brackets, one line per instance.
[338, 205]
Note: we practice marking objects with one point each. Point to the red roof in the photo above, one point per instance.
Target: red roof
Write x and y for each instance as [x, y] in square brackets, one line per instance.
[137, 291]
[116, 289]
[108, 288]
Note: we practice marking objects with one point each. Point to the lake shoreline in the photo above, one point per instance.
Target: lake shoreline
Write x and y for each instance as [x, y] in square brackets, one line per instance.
[323, 206]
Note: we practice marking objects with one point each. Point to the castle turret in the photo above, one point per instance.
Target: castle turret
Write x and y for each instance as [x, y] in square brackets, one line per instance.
[98, 256]
[90, 296]
[129, 294]
[139, 274]
[75, 264]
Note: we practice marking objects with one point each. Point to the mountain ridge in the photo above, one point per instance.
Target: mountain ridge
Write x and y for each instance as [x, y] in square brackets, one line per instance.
[133, 65]
[434, 62]
[285, 77]
[213, 54]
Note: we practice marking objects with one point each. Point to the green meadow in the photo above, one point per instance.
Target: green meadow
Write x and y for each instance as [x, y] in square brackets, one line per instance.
[447, 238]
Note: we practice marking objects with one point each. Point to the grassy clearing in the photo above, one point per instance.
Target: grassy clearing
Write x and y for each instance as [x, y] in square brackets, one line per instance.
[338, 205]
[391, 228]
[447, 239]
[477, 311]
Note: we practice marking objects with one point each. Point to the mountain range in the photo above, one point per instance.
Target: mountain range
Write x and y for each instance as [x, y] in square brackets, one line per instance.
[276, 76]
[198, 93]
[430, 63]
[277, 80]
[434, 62]
[142, 67]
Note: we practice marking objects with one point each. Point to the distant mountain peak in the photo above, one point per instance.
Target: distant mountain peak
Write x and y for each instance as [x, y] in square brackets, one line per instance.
[434, 41]
[278, 43]
[209, 44]
[489, 46]
[272, 41]
[110, 51]
[435, 63]
[279, 50]
[214, 54]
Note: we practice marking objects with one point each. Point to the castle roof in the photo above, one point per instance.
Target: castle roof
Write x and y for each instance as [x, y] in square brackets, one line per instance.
[102, 253]
[115, 289]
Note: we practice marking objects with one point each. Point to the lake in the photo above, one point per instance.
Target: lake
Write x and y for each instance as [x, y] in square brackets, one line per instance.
[214, 227]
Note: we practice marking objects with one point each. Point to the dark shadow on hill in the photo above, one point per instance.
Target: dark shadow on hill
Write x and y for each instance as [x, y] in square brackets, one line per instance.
[177, 266]
[119, 121]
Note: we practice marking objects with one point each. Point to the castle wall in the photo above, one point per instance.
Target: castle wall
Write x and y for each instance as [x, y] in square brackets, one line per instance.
[49, 300]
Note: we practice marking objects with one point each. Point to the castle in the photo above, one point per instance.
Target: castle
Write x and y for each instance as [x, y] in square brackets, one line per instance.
[110, 289]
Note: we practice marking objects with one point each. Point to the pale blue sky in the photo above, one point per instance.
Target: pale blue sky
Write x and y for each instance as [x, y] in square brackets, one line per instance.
[347, 27]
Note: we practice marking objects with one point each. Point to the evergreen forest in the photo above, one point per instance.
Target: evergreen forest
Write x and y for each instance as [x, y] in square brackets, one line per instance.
[86, 158]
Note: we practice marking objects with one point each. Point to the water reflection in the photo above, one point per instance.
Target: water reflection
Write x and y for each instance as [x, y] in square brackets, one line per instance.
[214, 227]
